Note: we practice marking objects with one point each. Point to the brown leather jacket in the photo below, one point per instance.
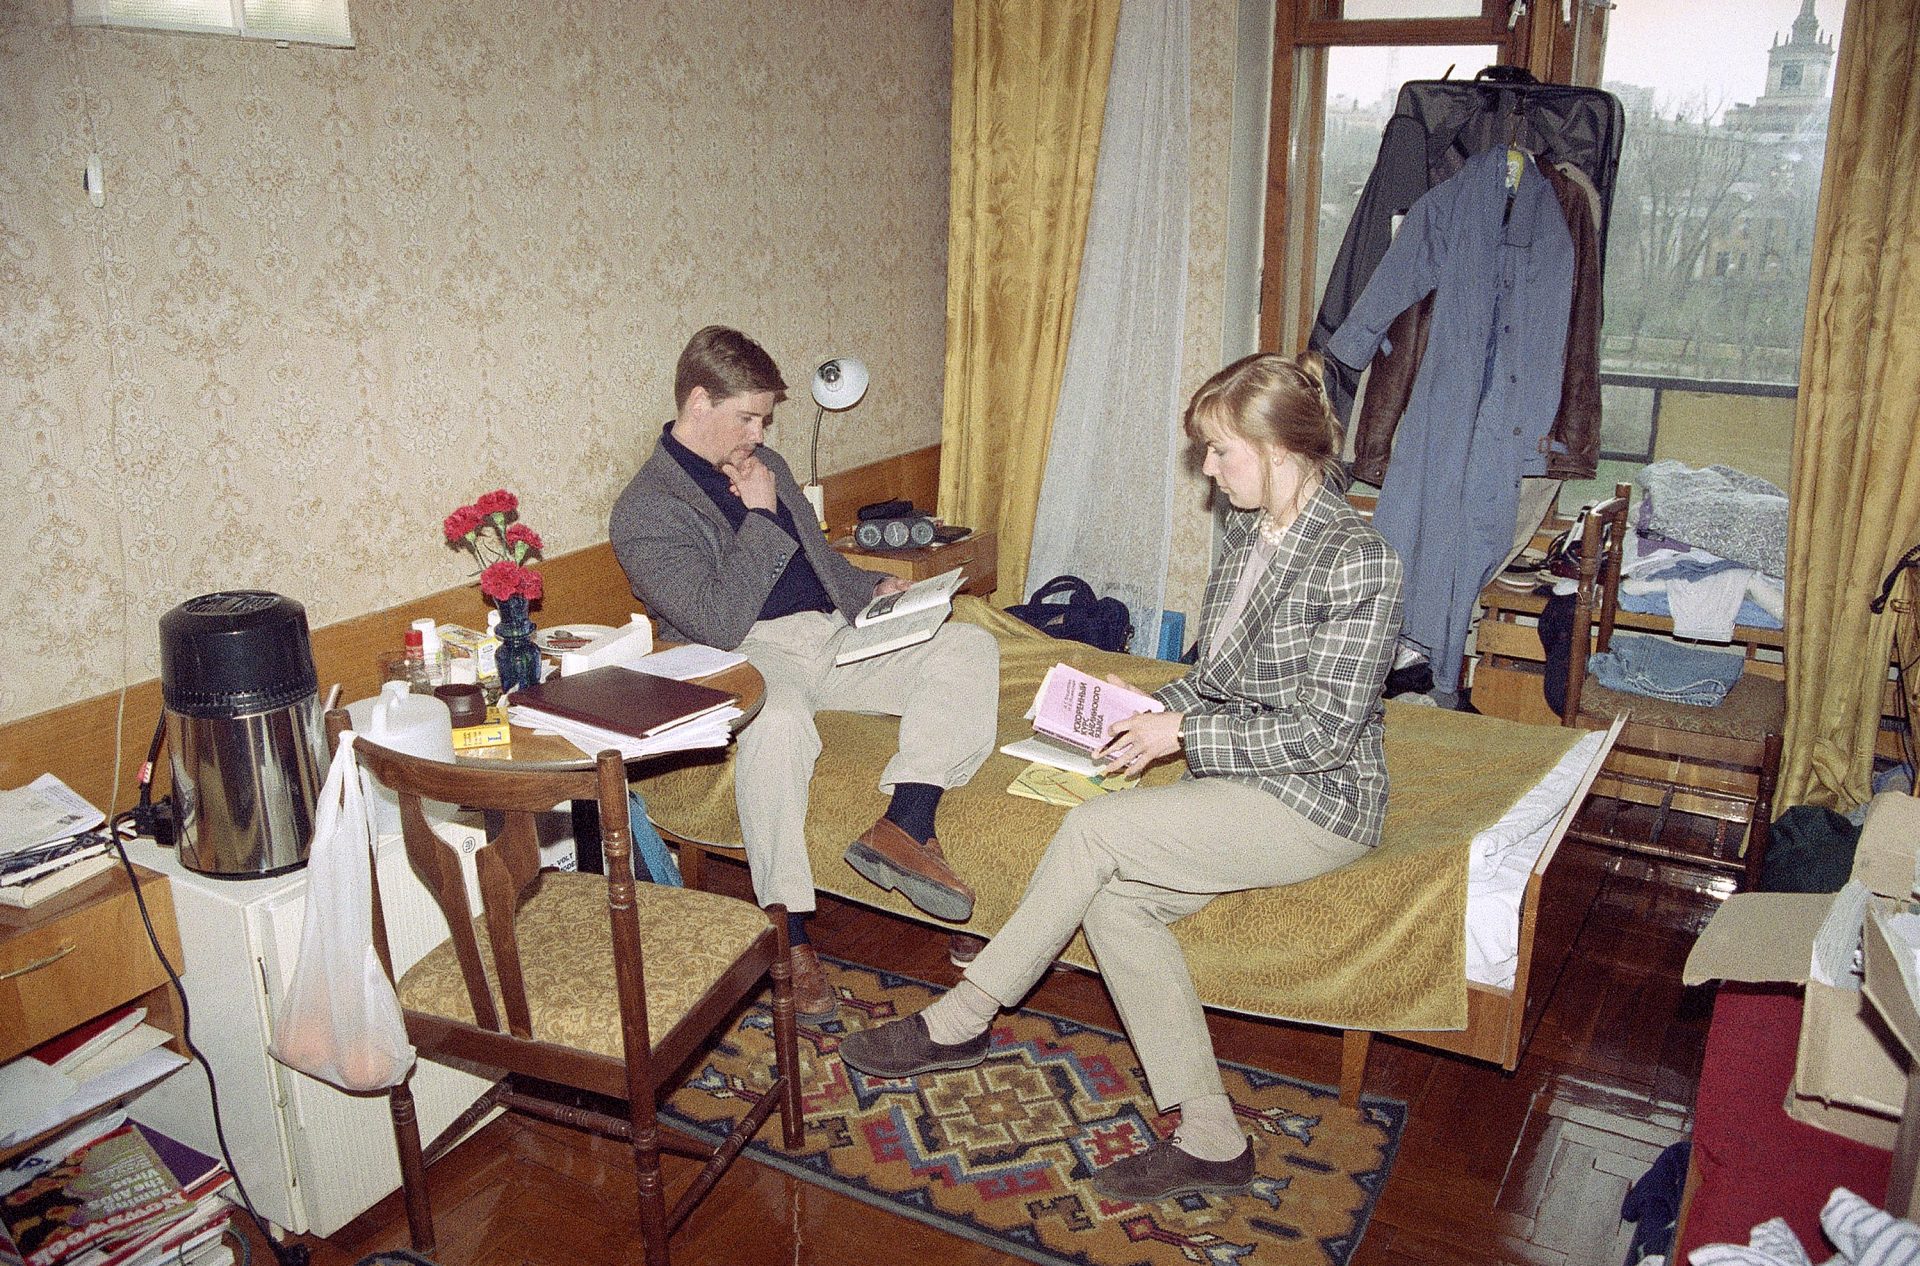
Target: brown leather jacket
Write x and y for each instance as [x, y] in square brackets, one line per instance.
[1574, 441]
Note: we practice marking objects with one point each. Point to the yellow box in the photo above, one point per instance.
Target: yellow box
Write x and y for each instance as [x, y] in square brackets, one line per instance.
[492, 732]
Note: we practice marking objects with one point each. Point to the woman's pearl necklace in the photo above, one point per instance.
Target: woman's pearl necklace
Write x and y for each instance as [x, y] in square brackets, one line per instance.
[1271, 531]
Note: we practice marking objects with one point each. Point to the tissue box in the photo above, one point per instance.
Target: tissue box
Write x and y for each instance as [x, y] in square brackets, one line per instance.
[492, 732]
[1850, 1075]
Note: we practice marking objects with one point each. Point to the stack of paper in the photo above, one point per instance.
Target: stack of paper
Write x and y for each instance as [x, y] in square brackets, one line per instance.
[634, 713]
[48, 841]
[60, 1080]
[114, 1193]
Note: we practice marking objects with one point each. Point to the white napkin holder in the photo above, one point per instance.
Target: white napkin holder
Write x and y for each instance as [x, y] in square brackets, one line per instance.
[622, 646]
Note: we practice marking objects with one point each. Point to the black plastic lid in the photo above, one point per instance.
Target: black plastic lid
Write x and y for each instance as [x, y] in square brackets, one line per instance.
[233, 653]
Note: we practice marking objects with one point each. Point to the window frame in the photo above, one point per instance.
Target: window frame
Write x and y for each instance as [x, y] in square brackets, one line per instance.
[1303, 31]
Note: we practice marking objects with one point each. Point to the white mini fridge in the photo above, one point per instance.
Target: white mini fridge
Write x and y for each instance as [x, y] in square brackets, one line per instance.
[312, 1157]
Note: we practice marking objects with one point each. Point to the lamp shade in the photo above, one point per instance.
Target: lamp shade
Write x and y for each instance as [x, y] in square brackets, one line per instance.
[839, 383]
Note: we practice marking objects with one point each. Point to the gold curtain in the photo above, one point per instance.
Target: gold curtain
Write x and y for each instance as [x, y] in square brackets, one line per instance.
[1856, 452]
[1029, 93]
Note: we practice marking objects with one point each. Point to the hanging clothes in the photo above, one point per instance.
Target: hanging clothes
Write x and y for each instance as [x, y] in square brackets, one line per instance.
[1499, 263]
[1572, 447]
[1437, 125]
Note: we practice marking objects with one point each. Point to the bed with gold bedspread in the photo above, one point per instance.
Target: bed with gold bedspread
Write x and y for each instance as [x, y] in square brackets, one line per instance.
[1374, 946]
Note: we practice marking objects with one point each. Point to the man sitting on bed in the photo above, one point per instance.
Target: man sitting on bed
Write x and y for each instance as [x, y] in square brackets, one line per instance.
[719, 542]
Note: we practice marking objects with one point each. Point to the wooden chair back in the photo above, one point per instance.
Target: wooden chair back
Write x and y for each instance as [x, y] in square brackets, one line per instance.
[1596, 602]
[507, 868]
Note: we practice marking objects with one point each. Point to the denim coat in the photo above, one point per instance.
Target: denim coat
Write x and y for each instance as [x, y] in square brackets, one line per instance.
[1500, 268]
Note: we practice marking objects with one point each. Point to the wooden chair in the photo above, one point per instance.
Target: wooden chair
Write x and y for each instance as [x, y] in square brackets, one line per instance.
[591, 983]
[1718, 763]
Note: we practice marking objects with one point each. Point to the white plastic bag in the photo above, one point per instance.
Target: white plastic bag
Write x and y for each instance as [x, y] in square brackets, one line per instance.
[340, 1020]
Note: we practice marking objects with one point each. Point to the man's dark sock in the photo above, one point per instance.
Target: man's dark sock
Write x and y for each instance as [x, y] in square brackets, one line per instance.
[797, 929]
[913, 807]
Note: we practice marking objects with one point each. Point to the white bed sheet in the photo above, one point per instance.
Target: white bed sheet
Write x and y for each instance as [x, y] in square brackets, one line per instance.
[1502, 858]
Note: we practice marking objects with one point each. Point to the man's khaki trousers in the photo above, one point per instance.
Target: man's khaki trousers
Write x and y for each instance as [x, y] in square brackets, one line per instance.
[946, 692]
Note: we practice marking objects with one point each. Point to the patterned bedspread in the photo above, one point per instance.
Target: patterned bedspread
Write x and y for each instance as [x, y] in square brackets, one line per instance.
[1379, 944]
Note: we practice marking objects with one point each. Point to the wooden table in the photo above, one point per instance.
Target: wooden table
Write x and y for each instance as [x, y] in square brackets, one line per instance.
[979, 553]
[528, 750]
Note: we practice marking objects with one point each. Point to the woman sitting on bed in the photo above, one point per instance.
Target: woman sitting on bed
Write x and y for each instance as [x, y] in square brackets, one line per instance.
[1280, 722]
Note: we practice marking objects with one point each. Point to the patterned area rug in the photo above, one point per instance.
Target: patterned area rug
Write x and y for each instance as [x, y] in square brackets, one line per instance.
[1003, 1153]
[395, 1257]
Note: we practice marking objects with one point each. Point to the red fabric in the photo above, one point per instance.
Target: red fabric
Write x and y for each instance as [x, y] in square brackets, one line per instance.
[1754, 1161]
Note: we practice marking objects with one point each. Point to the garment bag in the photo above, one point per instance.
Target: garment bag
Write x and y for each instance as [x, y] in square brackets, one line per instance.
[1437, 125]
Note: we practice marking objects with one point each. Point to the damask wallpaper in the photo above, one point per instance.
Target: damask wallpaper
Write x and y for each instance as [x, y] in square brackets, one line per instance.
[334, 293]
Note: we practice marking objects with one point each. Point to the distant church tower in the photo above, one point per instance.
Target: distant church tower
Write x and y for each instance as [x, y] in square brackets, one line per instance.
[1798, 69]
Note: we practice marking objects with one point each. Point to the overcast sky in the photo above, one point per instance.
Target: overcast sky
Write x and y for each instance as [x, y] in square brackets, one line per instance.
[1660, 44]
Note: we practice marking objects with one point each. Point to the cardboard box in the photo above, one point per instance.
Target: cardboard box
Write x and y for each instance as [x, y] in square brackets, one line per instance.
[1850, 1075]
[461, 642]
[1891, 950]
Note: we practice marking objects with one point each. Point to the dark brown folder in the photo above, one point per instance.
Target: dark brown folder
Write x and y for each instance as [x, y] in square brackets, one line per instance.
[622, 700]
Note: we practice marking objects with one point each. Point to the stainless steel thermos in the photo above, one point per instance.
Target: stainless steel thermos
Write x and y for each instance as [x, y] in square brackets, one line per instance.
[244, 731]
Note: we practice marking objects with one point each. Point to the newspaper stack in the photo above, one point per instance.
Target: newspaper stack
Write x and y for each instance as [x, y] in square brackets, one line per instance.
[49, 841]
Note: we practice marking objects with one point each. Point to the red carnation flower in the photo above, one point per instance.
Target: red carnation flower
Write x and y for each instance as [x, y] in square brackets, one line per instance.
[521, 534]
[501, 580]
[461, 523]
[499, 501]
[531, 586]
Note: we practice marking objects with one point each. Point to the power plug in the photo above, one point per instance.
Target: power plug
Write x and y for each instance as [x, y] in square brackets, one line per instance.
[154, 820]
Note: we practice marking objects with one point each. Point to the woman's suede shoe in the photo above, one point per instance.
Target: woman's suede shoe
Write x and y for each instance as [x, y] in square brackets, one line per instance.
[903, 1048]
[1164, 1170]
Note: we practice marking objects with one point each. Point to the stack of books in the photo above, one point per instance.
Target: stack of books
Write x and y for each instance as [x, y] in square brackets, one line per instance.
[634, 713]
[49, 841]
[114, 1193]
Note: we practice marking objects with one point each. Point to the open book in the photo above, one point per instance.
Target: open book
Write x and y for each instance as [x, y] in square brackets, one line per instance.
[894, 620]
[1071, 715]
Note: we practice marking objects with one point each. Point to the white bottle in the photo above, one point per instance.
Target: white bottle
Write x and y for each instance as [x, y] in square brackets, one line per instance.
[434, 652]
[416, 724]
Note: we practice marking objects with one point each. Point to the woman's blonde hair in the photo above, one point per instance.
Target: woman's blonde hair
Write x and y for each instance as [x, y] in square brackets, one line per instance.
[1278, 404]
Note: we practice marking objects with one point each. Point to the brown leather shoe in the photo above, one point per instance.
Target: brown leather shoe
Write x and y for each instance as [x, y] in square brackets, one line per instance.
[963, 948]
[1164, 1170]
[890, 858]
[904, 1048]
[813, 998]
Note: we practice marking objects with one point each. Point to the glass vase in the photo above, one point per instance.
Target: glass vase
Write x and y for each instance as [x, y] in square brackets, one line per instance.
[517, 659]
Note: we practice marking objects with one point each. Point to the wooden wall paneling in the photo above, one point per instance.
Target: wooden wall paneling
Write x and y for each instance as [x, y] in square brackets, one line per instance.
[76, 741]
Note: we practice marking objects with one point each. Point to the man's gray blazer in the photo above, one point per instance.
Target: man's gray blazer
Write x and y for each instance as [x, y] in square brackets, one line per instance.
[701, 580]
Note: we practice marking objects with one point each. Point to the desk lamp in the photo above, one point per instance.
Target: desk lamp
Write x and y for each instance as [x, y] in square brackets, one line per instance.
[838, 384]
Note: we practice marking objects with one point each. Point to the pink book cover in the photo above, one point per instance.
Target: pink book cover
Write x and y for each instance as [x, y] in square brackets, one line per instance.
[1077, 708]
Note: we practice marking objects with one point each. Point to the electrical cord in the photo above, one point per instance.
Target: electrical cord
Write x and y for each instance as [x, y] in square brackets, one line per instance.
[284, 1254]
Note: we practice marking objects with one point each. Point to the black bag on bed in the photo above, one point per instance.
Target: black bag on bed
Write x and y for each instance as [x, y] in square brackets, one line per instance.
[1079, 616]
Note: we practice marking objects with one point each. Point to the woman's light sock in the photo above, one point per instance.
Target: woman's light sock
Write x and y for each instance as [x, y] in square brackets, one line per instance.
[961, 1014]
[1208, 1129]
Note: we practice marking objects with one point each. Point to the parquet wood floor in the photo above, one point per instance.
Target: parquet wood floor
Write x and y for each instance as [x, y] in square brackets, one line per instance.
[1527, 1168]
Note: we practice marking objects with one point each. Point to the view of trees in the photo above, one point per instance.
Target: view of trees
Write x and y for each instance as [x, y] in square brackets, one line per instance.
[1710, 242]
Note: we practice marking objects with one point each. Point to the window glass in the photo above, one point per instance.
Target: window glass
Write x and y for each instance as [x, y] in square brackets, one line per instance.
[1362, 85]
[1711, 239]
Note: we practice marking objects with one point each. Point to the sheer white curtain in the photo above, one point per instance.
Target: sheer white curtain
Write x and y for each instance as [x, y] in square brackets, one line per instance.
[1106, 500]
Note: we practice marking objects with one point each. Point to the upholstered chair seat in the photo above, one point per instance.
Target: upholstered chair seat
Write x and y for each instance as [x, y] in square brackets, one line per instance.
[566, 952]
